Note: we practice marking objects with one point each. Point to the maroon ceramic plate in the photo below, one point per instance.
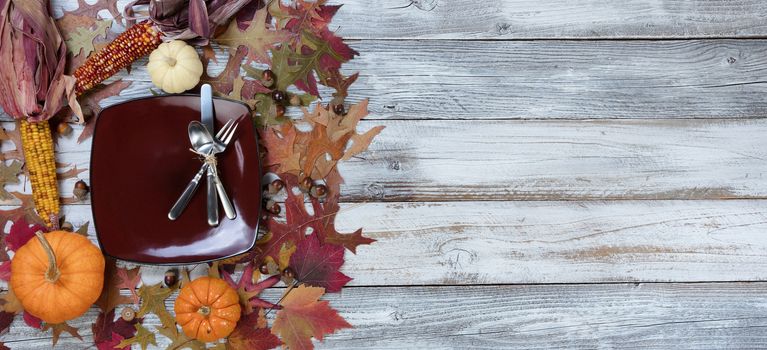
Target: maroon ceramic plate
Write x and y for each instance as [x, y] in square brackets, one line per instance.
[140, 164]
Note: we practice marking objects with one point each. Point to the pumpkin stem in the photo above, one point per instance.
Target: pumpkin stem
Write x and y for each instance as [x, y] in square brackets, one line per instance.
[204, 310]
[170, 61]
[53, 273]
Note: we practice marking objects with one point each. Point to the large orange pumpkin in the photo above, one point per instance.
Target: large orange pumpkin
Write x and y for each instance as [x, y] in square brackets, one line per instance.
[57, 276]
[207, 309]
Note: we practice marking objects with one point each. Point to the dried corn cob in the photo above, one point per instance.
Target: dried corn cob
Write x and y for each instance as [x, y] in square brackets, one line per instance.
[37, 142]
[36, 138]
[136, 42]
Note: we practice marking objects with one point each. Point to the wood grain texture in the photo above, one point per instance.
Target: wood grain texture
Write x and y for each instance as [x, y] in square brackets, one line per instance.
[548, 79]
[544, 160]
[626, 316]
[463, 243]
[562, 79]
[547, 19]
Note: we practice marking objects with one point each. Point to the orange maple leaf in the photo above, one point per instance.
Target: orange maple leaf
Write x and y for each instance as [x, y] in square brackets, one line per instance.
[304, 316]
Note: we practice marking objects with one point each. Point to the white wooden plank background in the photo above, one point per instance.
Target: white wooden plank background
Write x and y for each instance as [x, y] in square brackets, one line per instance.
[537, 157]
[546, 19]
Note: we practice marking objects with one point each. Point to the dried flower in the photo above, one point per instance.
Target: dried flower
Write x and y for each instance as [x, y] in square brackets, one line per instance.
[32, 81]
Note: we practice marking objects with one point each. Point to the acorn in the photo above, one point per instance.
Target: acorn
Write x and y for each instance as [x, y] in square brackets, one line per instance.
[279, 111]
[264, 268]
[279, 96]
[339, 109]
[67, 226]
[276, 186]
[295, 100]
[64, 129]
[306, 184]
[128, 314]
[81, 189]
[319, 191]
[267, 78]
[288, 273]
[171, 277]
[273, 207]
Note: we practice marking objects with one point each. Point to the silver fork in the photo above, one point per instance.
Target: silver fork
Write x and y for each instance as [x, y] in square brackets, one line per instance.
[219, 145]
[225, 133]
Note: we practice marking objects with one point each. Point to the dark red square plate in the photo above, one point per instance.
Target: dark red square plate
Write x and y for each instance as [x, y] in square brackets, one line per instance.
[140, 164]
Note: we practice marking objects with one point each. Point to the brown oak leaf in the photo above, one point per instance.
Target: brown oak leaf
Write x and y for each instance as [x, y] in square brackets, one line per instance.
[91, 101]
[59, 328]
[110, 294]
[9, 174]
[258, 38]
[153, 301]
[223, 83]
[129, 279]
[281, 151]
[179, 340]
[143, 338]
[15, 137]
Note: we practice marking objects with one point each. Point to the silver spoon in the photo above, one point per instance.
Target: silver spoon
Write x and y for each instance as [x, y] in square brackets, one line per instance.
[205, 143]
[226, 133]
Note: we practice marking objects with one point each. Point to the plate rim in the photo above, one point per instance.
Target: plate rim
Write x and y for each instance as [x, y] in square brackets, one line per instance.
[90, 175]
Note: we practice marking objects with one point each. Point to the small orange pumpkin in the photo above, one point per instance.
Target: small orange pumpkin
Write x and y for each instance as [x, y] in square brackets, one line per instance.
[57, 276]
[207, 309]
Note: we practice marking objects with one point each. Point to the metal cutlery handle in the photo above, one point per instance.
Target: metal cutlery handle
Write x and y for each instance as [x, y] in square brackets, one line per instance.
[183, 201]
[206, 107]
[225, 202]
[212, 198]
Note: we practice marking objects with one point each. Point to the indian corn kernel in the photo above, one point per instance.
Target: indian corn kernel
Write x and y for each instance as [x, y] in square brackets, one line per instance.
[37, 140]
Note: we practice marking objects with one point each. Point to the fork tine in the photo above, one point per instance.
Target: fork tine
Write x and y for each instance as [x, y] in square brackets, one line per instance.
[228, 137]
[224, 128]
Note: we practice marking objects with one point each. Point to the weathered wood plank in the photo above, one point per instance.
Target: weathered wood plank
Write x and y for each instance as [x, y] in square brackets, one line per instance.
[627, 316]
[531, 19]
[460, 243]
[547, 19]
[550, 79]
[556, 160]
[562, 79]
[547, 160]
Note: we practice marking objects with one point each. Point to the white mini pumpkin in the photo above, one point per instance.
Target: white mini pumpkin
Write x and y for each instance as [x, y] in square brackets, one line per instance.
[174, 67]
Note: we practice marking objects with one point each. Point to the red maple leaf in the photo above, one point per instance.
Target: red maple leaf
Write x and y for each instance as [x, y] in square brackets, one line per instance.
[107, 331]
[6, 318]
[248, 291]
[325, 226]
[250, 334]
[21, 233]
[5, 271]
[298, 220]
[317, 264]
[32, 321]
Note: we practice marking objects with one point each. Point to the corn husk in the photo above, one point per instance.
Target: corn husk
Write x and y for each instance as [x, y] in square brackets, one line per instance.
[195, 21]
[33, 57]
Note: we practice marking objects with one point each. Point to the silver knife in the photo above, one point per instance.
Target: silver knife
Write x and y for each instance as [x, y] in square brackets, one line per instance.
[206, 112]
[206, 108]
